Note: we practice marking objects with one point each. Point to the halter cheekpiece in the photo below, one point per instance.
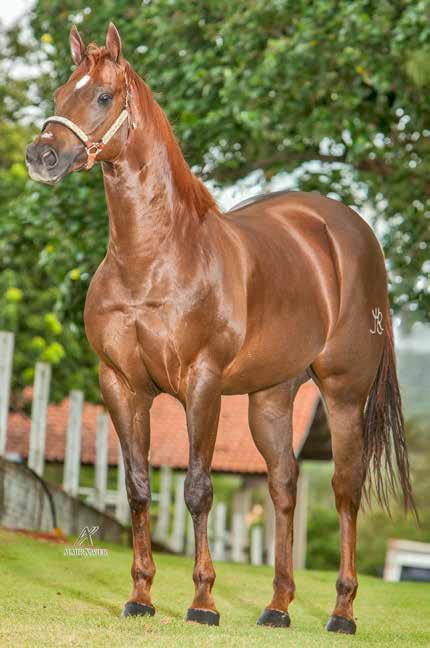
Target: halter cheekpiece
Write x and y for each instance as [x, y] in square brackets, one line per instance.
[92, 148]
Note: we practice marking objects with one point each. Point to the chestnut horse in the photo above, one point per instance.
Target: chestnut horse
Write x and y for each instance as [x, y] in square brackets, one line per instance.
[195, 303]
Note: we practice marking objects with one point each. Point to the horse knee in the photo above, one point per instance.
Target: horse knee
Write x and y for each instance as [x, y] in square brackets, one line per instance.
[283, 494]
[198, 492]
[138, 493]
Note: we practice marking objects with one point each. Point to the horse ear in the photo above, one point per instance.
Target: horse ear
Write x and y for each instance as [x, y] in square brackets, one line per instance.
[113, 42]
[77, 46]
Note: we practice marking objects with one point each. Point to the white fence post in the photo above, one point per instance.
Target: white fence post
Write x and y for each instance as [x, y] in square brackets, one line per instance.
[161, 532]
[300, 523]
[176, 543]
[101, 464]
[72, 457]
[220, 531]
[239, 533]
[122, 508]
[42, 380]
[6, 360]
[257, 545]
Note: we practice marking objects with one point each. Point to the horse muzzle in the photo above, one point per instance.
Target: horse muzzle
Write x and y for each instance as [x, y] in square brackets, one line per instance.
[46, 164]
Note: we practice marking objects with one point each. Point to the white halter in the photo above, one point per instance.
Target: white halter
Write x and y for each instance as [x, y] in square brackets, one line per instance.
[92, 148]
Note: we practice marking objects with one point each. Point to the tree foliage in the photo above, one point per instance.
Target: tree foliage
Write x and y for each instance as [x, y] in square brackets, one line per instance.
[271, 85]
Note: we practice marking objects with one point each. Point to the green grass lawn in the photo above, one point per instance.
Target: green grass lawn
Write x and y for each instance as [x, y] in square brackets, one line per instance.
[47, 599]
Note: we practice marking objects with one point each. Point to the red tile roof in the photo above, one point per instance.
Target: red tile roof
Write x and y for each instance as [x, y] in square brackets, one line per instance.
[234, 450]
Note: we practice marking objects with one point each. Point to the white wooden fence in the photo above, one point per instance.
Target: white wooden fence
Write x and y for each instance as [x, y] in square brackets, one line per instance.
[230, 536]
[98, 495]
[229, 533]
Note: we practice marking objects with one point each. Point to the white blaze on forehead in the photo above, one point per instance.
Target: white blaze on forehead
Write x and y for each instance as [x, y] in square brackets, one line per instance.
[47, 135]
[82, 81]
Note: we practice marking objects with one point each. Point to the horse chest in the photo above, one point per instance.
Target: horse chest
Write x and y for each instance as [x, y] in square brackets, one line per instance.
[136, 339]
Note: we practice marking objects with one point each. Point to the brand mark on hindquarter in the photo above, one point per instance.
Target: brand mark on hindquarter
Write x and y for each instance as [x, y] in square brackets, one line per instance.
[377, 321]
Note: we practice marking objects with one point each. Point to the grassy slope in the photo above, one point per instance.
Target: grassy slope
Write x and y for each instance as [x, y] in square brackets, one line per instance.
[48, 600]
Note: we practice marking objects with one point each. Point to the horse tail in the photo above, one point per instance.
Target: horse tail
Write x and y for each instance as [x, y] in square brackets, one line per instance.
[385, 452]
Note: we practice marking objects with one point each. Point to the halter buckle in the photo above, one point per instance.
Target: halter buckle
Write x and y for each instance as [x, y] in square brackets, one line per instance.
[93, 149]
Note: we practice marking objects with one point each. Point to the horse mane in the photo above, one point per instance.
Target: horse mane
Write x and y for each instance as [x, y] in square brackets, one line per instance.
[193, 193]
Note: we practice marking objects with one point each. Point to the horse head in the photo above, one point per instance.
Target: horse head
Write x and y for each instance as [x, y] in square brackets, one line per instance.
[91, 113]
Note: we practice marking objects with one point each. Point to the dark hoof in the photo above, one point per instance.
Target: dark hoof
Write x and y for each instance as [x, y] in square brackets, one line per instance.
[208, 617]
[340, 624]
[132, 609]
[274, 618]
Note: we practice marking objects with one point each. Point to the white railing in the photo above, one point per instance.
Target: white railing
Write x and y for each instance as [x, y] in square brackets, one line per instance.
[229, 533]
[98, 496]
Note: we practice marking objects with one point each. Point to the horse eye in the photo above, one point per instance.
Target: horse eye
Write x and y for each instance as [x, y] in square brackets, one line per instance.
[104, 99]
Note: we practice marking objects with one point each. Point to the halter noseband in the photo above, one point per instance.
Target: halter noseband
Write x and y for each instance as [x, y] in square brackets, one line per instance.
[92, 148]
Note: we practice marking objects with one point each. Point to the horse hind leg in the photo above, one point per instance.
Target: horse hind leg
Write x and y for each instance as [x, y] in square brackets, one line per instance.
[365, 416]
[347, 442]
[345, 407]
[345, 372]
[270, 421]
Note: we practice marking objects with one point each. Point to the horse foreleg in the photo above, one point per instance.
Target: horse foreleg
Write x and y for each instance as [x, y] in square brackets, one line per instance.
[130, 416]
[203, 402]
[270, 420]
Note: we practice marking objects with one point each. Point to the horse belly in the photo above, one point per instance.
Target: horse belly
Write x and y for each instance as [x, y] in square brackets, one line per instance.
[279, 351]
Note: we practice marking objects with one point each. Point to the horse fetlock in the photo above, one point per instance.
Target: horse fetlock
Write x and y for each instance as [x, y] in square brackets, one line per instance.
[143, 574]
[346, 586]
[284, 587]
[204, 577]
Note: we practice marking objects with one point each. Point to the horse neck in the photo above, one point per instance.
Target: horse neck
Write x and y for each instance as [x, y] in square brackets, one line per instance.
[153, 198]
[139, 201]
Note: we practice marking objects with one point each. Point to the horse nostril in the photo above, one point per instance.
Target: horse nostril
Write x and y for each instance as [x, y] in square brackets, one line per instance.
[50, 158]
[29, 154]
